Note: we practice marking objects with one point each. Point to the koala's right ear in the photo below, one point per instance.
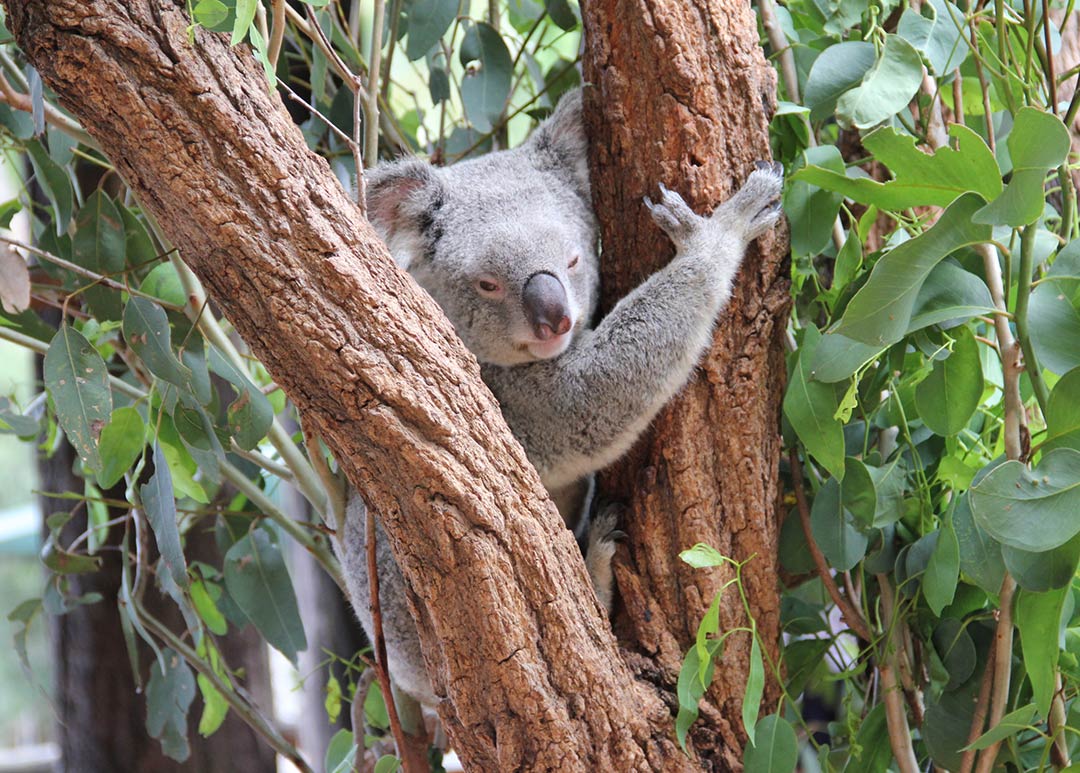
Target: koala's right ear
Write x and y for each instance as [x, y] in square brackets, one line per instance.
[560, 141]
[399, 196]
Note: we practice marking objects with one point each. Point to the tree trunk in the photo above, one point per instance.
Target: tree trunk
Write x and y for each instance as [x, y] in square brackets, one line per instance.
[511, 631]
[101, 718]
[682, 95]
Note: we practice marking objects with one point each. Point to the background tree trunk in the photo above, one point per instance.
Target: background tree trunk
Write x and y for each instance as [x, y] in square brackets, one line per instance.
[681, 94]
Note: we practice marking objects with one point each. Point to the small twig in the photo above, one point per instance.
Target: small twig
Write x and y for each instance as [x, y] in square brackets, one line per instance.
[371, 102]
[1023, 334]
[1058, 727]
[982, 705]
[334, 485]
[1002, 665]
[277, 33]
[272, 467]
[854, 619]
[379, 641]
[12, 98]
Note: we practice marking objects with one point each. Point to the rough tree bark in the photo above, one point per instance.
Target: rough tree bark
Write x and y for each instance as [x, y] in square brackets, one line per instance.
[681, 94]
[512, 633]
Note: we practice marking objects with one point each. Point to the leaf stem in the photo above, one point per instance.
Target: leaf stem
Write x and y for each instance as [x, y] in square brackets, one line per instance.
[1023, 296]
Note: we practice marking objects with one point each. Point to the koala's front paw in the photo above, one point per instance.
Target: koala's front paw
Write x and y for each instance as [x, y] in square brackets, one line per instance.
[674, 216]
[756, 207]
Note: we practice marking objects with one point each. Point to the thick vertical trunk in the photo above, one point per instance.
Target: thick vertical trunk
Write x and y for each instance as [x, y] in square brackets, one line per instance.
[681, 94]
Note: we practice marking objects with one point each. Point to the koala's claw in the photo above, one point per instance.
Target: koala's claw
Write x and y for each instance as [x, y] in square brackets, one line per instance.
[603, 534]
[672, 214]
[757, 204]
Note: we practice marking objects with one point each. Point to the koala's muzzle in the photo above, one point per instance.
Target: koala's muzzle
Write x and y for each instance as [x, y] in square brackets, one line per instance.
[546, 306]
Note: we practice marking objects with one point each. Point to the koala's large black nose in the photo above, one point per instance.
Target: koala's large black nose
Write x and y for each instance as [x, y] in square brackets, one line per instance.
[546, 306]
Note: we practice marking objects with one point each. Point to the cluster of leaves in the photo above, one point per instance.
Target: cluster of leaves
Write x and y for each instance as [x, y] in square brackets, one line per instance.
[933, 403]
[177, 430]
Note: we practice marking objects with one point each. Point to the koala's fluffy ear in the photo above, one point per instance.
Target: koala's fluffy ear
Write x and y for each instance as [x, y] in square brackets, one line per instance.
[398, 195]
[560, 141]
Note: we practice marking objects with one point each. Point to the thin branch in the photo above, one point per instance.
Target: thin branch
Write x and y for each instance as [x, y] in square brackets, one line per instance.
[12, 98]
[379, 644]
[277, 33]
[854, 619]
[371, 102]
[1023, 334]
[1002, 666]
[982, 705]
[891, 693]
[334, 485]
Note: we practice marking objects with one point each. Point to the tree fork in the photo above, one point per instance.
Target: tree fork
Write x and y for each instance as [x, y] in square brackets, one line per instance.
[681, 94]
[511, 630]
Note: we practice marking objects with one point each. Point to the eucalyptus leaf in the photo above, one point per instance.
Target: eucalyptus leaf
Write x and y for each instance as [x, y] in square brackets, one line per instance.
[834, 529]
[1034, 510]
[169, 694]
[485, 89]
[949, 396]
[776, 748]
[122, 441]
[811, 406]
[886, 89]
[78, 383]
[1038, 618]
[428, 21]
[258, 581]
[838, 68]
[146, 329]
[881, 311]
[939, 31]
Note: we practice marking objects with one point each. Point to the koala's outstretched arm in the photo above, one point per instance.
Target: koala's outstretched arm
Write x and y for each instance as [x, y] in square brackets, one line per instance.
[579, 412]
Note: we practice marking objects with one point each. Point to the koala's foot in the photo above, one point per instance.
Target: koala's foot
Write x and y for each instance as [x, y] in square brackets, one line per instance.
[603, 536]
[755, 208]
[674, 216]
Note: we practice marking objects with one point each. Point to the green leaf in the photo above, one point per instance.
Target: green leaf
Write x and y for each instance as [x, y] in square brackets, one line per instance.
[980, 556]
[942, 573]
[837, 69]
[1054, 320]
[169, 694]
[956, 649]
[245, 15]
[880, 312]
[99, 246]
[873, 752]
[1010, 724]
[122, 441]
[258, 581]
[1033, 510]
[776, 749]
[1048, 570]
[428, 21]
[340, 753]
[690, 687]
[215, 707]
[939, 32]
[949, 295]
[1037, 143]
[210, 13]
[78, 383]
[919, 179]
[163, 282]
[1063, 413]
[54, 183]
[561, 13]
[809, 209]
[207, 609]
[834, 528]
[146, 329]
[160, 505]
[701, 556]
[857, 493]
[886, 89]
[388, 763]
[838, 357]
[811, 406]
[250, 415]
[484, 90]
[755, 688]
[1038, 618]
[948, 397]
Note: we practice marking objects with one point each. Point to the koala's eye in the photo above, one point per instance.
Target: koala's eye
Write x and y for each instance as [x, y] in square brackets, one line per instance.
[573, 262]
[489, 286]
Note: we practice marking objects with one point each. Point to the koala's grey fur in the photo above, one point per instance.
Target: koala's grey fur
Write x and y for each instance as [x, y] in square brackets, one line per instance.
[576, 402]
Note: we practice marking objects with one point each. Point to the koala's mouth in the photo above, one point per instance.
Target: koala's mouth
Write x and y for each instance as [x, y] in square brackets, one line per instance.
[549, 349]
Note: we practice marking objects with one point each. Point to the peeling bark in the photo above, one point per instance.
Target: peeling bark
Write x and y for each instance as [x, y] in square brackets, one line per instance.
[681, 94]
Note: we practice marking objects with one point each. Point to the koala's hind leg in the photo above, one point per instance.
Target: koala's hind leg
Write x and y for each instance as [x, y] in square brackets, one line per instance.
[603, 536]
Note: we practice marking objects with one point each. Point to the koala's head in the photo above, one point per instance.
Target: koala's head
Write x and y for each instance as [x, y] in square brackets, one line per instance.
[505, 244]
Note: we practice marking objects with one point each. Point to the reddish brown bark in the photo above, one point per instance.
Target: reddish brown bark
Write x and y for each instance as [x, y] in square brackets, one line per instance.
[681, 94]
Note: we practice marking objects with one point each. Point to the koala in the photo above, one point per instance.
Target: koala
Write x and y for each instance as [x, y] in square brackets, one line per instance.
[507, 245]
